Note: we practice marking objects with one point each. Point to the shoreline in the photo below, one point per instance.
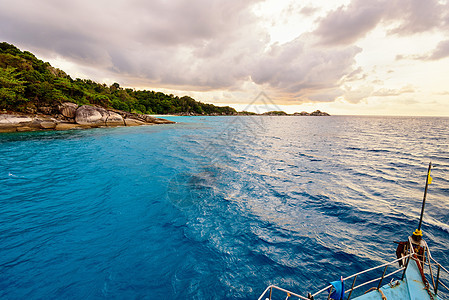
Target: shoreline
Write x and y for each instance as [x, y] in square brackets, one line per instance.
[69, 116]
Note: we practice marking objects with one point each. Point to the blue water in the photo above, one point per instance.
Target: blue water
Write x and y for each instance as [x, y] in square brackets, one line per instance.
[215, 207]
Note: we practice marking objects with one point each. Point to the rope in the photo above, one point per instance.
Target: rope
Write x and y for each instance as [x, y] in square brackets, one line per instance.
[383, 296]
[371, 289]
[380, 291]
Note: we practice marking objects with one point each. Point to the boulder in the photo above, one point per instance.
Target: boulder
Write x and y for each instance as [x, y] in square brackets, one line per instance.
[81, 117]
[25, 129]
[47, 125]
[148, 118]
[4, 129]
[11, 123]
[14, 119]
[114, 119]
[67, 126]
[97, 116]
[36, 124]
[68, 109]
[104, 113]
[89, 115]
[162, 121]
[133, 122]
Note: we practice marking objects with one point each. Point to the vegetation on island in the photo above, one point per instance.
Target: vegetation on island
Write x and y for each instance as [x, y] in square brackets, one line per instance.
[30, 85]
[275, 113]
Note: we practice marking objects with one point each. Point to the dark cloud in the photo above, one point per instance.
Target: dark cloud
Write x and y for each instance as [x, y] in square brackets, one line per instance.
[347, 24]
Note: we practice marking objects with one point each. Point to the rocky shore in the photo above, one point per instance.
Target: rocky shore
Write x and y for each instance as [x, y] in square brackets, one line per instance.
[71, 116]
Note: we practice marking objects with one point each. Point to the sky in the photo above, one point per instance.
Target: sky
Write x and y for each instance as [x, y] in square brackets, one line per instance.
[348, 57]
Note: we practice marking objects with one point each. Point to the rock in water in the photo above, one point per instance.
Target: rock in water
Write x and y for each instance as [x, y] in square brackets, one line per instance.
[67, 126]
[10, 123]
[81, 117]
[14, 119]
[162, 121]
[89, 115]
[97, 116]
[47, 125]
[104, 114]
[68, 109]
[133, 122]
[114, 119]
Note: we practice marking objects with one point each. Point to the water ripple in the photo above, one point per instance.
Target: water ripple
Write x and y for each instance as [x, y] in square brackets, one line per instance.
[215, 207]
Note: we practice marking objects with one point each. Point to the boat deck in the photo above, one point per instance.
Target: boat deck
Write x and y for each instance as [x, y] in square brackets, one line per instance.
[411, 285]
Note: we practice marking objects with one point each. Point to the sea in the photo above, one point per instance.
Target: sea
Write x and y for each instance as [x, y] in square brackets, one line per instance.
[216, 207]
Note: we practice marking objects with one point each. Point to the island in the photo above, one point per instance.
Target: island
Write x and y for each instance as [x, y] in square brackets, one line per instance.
[36, 96]
[283, 113]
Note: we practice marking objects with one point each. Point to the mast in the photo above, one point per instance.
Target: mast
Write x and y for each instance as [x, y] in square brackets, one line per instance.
[418, 231]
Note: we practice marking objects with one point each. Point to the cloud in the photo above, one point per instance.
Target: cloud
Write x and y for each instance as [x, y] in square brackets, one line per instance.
[210, 45]
[443, 93]
[441, 51]
[347, 24]
[393, 92]
[415, 16]
[326, 95]
[309, 10]
[356, 95]
[301, 68]
[201, 45]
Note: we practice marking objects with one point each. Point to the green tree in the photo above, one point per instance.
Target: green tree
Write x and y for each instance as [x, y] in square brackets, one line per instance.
[11, 88]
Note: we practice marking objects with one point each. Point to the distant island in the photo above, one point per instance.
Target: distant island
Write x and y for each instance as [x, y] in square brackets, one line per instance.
[36, 96]
[283, 113]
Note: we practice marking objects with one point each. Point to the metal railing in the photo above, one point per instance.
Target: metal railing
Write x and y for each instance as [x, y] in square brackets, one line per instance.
[287, 293]
[353, 287]
[436, 280]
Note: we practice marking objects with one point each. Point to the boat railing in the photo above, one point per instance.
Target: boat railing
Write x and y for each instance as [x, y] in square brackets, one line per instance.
[289, 294]
[425, 259]
[436, 278]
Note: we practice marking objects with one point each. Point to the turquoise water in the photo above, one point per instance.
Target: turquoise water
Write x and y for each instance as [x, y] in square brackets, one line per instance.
[215, 207]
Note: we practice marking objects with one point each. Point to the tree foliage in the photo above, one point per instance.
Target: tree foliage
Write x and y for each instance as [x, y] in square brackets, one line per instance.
[27, 84]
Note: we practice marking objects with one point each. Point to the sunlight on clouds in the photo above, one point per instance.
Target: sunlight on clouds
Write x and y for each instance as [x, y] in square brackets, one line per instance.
[344, 57]
[285, 20]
